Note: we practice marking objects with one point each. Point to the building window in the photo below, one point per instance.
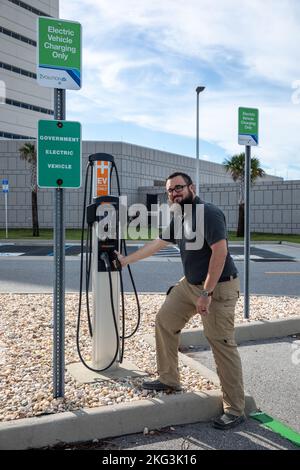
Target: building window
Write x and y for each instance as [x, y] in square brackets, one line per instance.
[32, 107]
[18, 70]
[9, 135]
[17, 36]
[28, 7]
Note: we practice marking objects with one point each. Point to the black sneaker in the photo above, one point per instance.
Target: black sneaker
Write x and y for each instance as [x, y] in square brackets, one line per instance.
[158, 386]
[227, 421]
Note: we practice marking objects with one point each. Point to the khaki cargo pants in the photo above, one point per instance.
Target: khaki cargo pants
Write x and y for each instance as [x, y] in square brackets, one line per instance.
[218, 325]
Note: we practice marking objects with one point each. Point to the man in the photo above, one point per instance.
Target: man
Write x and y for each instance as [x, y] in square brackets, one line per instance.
[210, 287]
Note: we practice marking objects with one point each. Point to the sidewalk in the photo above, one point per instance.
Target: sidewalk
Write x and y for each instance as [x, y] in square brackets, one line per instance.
[272, 379]
[271, 375]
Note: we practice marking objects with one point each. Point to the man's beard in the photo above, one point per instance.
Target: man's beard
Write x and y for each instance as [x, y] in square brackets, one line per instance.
[187, 200]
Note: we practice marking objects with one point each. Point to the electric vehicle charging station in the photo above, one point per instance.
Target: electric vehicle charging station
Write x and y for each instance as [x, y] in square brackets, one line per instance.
[102, 214]
[105, 281]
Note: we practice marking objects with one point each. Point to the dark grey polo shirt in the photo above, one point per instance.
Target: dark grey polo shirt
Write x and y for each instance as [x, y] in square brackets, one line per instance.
[195, 261]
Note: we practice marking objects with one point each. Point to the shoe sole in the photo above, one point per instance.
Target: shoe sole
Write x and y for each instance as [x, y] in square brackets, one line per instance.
[158, 389]
[228, 426]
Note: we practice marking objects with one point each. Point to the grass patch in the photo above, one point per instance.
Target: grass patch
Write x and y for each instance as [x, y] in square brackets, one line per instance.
[270, 237]
[45, 234]
[144, 234]
[71, 234]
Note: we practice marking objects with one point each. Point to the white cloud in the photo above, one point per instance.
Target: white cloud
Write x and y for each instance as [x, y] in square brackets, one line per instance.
[143, 58]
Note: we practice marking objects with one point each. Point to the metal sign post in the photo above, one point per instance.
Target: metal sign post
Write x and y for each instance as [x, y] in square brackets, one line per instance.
[59, 167]
[248, 136]
[5, 189]
[59, 67]
[247, 231]
[199, 89]
[59, 264]
[6, 223]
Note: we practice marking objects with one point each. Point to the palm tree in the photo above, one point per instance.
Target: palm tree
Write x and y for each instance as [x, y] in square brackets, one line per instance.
[236, 167]
[28, 153]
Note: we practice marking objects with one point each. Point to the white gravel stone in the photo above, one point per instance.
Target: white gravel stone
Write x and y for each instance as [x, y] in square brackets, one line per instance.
[26, 353]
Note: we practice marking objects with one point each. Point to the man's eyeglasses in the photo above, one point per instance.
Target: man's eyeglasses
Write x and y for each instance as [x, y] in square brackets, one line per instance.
[177, 188]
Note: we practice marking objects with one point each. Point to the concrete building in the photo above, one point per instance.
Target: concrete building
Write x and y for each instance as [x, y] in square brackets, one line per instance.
[142, 170]
[25, 102]
[275, 203]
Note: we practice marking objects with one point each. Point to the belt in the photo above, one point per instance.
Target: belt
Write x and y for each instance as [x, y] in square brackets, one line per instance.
[228, 278]
[224, 279]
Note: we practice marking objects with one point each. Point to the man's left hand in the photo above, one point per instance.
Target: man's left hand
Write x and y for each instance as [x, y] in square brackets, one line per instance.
[203, 304]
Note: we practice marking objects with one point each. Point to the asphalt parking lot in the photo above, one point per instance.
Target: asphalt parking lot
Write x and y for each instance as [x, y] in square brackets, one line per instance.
[274, 269]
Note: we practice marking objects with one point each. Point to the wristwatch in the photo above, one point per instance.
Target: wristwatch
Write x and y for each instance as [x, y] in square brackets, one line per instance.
[206, 293]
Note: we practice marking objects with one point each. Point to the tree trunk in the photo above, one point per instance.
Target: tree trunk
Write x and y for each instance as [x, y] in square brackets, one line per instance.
[241, 222]
[35, 220]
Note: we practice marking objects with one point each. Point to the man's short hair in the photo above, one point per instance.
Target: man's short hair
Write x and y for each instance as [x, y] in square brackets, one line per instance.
[186, 177]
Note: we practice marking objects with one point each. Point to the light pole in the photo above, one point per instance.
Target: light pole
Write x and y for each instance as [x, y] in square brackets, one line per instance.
[198, 90]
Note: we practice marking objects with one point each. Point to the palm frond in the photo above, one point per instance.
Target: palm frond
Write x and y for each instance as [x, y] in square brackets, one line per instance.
[28, 153]
[235, 165]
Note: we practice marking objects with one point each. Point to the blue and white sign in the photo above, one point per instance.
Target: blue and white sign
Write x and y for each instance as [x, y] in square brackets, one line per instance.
[5, 186]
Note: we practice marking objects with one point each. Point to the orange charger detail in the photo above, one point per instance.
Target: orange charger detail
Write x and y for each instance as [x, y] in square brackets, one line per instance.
[102, 183]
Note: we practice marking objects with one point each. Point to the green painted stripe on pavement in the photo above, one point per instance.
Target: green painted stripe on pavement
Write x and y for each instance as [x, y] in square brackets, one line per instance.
[278, 427]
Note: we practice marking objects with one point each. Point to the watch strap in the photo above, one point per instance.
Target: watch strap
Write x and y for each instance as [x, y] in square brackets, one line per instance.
[206, 293]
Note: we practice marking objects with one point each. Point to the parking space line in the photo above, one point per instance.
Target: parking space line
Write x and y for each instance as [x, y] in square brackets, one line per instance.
[283, 272]
[11, 254]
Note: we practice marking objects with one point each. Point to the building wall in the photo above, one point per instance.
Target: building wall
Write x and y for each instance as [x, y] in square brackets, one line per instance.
[139, 169]
[275, 205]
[18, 120]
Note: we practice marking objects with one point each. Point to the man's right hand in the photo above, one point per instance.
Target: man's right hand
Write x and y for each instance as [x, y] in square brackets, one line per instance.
[122, 259]
[147, 250]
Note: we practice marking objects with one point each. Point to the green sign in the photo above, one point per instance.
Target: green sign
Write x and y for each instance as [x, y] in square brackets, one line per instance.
[248, 126]
[59, 53]
[59, 154]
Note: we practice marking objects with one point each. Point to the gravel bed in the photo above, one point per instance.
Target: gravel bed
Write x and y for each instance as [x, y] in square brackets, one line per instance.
[26, 330]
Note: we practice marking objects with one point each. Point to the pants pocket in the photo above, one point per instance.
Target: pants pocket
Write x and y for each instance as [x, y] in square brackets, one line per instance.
[219, 323]
[227, 291]
[169, 290]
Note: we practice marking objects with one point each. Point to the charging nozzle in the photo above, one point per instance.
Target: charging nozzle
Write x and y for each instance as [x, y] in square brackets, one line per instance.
[118, 264]
[105, 258]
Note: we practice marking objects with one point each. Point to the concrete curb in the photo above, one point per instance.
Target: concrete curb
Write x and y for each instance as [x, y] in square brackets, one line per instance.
[290, 244]
[50, 241]
[246, 332]
[112, 421]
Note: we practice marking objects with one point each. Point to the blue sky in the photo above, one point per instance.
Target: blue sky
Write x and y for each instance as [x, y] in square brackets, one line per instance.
[143, 59]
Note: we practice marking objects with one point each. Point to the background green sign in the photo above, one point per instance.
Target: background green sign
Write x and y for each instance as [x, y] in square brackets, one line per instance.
[59, 154]
[248, 126]
[59, 53]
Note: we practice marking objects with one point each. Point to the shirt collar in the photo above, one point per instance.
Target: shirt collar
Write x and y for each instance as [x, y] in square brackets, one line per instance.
[197, 200]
